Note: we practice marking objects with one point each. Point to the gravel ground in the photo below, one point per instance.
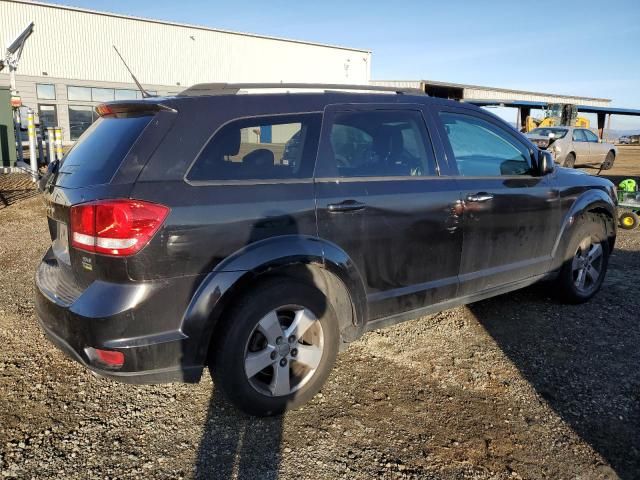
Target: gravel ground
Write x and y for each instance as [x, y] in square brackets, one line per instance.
[513, 387]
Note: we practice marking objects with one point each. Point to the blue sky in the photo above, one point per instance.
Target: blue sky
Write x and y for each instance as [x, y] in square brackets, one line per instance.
[587, 47]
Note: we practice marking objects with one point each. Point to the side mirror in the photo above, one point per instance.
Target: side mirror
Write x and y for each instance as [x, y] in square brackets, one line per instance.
[546, 163]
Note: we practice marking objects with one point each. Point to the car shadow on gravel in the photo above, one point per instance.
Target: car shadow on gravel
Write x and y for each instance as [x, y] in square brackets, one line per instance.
[581, 359]
[236, 445]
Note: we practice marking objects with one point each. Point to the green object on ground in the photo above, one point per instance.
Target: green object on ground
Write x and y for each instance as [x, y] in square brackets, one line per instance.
[628, 185]
[7, 136]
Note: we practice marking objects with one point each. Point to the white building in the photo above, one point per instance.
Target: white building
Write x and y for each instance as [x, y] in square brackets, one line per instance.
[68, 65]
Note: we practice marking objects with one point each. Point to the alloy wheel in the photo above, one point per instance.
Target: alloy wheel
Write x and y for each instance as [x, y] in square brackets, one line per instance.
[587, 266]
[284, 350]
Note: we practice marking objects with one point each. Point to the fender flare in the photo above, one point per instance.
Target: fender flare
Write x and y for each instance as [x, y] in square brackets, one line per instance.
[590, 201]
[239, 270]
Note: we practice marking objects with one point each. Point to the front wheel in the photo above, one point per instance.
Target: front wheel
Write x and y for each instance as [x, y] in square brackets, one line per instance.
[608, 161]
[277, 348]
[586, 261]
[570, 160]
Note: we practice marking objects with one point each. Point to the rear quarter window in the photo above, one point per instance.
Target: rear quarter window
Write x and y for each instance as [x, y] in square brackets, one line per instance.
[95, 158]
[260, 148]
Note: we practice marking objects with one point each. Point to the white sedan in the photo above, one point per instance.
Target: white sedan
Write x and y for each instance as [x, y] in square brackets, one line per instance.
[573, 146]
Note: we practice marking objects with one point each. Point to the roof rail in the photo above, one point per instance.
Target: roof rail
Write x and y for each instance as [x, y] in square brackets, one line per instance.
[233, 88]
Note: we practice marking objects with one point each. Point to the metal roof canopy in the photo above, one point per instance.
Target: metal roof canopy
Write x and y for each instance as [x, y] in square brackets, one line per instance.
[461, 91]
[233, 88]
[529, 104]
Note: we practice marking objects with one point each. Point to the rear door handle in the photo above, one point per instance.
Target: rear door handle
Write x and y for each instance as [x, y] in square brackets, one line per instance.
[346, 206]
[479, 197]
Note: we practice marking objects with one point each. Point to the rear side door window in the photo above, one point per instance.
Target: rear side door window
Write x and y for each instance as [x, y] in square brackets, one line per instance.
[275, 147]
[482, 149]
[377, 143]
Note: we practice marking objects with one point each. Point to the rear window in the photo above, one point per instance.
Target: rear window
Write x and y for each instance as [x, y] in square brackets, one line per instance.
[95, 158]
[261, 148]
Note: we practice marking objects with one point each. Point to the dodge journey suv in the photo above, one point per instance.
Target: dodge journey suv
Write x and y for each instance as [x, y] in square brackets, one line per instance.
[256, 234]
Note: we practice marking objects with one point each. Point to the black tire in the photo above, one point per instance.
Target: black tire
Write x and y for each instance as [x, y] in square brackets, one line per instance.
[591, 227]
[570, 160]
[608, 161]
[629, 220]
[241, 328]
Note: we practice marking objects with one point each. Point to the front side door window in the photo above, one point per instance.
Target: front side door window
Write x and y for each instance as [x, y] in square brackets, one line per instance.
[482, 150]
[580, 146]
[578, 136]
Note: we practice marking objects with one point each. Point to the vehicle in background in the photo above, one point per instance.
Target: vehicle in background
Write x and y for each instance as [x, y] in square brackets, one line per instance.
[573, 146]
[557, 114]
[624, 140]
[259, 234]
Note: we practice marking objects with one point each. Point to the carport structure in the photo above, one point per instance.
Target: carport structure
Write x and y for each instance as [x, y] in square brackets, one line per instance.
[522, 100]
[524, 110]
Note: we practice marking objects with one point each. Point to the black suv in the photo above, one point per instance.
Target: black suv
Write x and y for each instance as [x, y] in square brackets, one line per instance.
[259, 233]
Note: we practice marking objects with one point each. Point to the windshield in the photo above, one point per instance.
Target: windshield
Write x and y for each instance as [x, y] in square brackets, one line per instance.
[557, 132]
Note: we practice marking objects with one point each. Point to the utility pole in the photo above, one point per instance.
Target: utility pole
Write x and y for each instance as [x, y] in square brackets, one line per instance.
[11, 60]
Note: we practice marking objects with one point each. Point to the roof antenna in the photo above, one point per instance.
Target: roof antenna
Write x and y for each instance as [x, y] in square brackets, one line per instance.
[145, 94]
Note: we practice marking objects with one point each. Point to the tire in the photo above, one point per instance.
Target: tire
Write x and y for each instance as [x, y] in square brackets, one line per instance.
[608, 161]
[570, 160]
[629, 220]
[585, 261]
[256, 334]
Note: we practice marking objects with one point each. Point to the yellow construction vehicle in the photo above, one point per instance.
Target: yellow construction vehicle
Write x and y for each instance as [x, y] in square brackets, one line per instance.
[557, 114]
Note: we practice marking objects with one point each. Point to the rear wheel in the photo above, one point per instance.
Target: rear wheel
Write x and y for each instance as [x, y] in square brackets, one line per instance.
[277, 349]
[608, 161]
[629, 220]
[586, 261]
[570, 160]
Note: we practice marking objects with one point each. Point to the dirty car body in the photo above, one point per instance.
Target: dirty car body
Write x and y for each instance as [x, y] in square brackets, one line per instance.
[379, 201]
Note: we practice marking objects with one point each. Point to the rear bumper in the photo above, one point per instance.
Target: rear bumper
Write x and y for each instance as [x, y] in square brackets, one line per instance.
[143, 321]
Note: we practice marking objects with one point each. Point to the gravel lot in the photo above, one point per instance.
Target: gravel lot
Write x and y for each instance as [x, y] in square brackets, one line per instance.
[513, 387]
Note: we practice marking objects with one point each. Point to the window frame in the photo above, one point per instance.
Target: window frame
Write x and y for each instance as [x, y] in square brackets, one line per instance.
[249, 181]
[322, 171]
[511, 134]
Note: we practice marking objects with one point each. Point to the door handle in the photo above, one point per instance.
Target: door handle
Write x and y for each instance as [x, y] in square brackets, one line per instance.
[480, 197]
[346, 206]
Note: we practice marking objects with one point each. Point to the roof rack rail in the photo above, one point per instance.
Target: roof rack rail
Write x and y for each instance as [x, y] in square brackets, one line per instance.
[233, 88]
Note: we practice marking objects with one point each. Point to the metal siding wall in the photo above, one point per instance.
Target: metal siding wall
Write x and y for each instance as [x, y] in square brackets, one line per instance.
[77, 45]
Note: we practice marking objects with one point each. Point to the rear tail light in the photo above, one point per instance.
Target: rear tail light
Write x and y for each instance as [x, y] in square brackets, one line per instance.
[110, 357]
[115, 227]
[105, 358]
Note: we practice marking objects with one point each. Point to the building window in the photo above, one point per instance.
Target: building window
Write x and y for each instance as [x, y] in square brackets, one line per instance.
[46, 91]
[82, 94]
[48, 116]
[102, 94]
[80, 118]
[122, 94]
